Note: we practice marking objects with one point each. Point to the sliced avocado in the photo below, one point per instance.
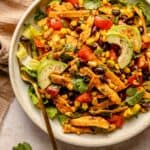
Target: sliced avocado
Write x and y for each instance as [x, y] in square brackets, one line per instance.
[46, 67]
[132, 33]
[126, 48]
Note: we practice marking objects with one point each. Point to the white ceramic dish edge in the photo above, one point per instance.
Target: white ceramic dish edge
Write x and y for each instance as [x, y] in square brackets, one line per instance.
[129, 131]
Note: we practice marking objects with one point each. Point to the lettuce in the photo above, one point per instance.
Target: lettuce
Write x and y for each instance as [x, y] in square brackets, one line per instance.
[52, 112]
[22, 146]
[91, 4]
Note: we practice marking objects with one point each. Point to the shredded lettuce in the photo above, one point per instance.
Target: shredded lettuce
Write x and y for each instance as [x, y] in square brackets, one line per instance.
[30, 32]
[25, 59]
[63, 119]
[135, 99]
[29, 72]
[32, 95]
[52, 112]
[79, 85]
[145, 7]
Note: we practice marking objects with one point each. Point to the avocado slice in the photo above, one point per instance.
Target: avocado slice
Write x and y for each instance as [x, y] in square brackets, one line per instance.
[132, 33]
[126, 48]
[46, 67]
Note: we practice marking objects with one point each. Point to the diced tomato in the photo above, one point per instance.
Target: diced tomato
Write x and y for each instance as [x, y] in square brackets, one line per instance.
[135, 80]
[73, 2]
[56, 24]
[52, 90]
[38, 43]
[113, 54]
[84, 98]
[85, 53]
[118, 120]
[103, 23]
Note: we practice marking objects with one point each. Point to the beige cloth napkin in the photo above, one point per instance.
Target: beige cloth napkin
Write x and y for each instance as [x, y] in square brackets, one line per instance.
[10, 12]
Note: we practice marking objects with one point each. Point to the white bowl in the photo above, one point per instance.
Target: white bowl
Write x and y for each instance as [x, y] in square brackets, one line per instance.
[130, 129]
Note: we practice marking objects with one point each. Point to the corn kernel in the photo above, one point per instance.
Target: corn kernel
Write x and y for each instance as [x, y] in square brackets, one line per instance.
[70, 86]
[77, 104]
[111, 63]
[127, 70]
[128, 113]
[112, 127]
[117, 66]
[123, 76]
[81, 2]
[74, 23]
[68, 114]
[111, 85]
[83, 26]
[107, 54]
[136, 108]
[45, 27]
[92, 63]
[65, 96]
[94, 101]
[84, 106]
[103, 60]
[90, 41]
[148, 54]
[94, 93]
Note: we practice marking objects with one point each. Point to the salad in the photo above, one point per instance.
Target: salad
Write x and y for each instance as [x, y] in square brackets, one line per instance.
[89, 61]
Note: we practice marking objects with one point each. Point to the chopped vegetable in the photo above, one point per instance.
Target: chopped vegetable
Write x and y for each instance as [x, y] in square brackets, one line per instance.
[117, 120]
[84, 98]
[56, 24]
[103, 23]
[53, 90]
[131, 91]
[135, 99]
[73, 2]
[33, 96]
[52, 112]
[63, 119]
[85, 53]
[79, 85]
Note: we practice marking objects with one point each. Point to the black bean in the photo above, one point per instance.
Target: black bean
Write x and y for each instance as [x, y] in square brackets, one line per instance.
[24, 39]
[93, 46]
[146, 105]
[100, 42]
[141, 29]
[99, 70]
[106, 46]
[78, 30]
[123, 18]
[116, 12]
[76, 6]
[94, 30]
[130, 21]
[103, 78]
[71, 103]
[86, 79]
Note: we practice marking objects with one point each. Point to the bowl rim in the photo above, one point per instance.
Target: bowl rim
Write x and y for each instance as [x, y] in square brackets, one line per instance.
[11, 74]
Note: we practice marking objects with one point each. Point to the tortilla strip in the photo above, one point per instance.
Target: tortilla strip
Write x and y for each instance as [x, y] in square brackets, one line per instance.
[69, 13]
[90, 121]
[115, 80]
[68, 128]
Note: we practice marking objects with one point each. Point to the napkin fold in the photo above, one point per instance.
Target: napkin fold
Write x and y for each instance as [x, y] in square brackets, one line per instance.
[10, 12]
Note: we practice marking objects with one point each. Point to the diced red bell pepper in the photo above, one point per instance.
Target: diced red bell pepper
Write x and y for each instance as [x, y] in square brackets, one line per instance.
[73, 2]
[113, 54]
[118, 120]
[56, 24]
[53, 91]
[38, 43]
[103, 23]
[135, 80]
[84, 98]
[85, 53]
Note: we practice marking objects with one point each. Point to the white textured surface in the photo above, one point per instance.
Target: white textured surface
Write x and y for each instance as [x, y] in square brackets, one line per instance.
[17, 127]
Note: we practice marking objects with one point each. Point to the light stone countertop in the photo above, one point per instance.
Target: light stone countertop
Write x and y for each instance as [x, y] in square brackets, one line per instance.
[17, 127]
